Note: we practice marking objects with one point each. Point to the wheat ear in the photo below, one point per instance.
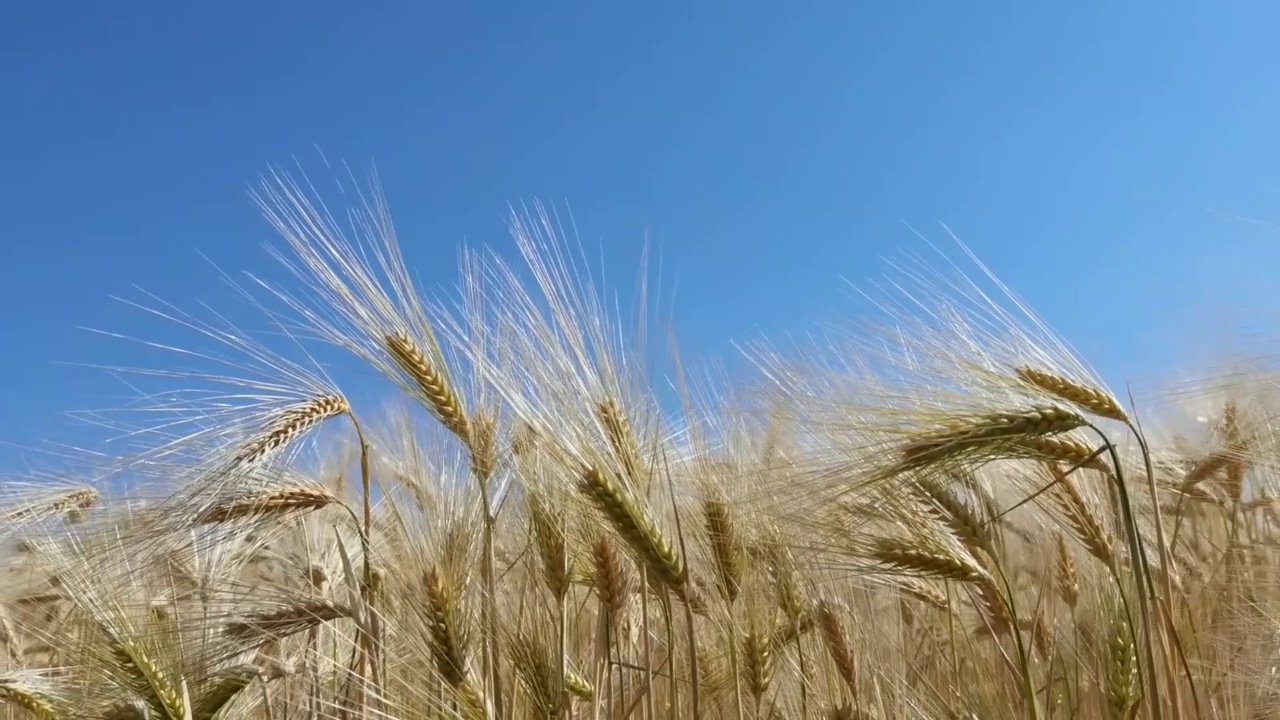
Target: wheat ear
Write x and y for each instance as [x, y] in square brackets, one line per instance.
[973, 435]
[635, 526]
[291, 423]
[1065, 575]
[435, 388]
[67, 502]
[725, 545]
[621, 439]
[926, 560]
[162, 694]
[837, 644]
[19, 694]
[270, 503]
[1090, 399]
[1083, 521]
[223, 688]
[549, 539]
[286, 621]
[539, 672]
[609, 578]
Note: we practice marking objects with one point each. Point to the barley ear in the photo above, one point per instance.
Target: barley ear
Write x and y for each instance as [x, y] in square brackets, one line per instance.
[636, 527]
[1090, 399]
[443, 402]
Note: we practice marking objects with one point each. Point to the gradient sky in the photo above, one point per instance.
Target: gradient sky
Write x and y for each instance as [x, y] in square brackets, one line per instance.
[1116, 163]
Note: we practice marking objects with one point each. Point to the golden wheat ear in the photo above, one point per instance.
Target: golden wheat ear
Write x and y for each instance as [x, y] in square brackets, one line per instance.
[28, 691]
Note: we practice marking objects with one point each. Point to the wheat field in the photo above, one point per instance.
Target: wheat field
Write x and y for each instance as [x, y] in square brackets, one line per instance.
[937, 512]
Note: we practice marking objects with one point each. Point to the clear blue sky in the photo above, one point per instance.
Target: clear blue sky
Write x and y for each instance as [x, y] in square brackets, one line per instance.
[1095, 155]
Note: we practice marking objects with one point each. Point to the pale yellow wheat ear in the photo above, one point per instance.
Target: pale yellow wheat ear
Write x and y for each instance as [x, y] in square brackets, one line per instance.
[290, 424]
[1083, 519]
[44, 505]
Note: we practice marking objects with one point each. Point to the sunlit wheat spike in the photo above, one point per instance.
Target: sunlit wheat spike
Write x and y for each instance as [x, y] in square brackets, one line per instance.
[162, 693]
[471, 703]
[786, 581]
[1059, 449]
[1065, 574]
[286, 621]
[973, 435]
[271, 503]
[926, 561]
[725, 545]
[291, 423]
[958, 516]
[757, 662]
[924, 593]
[635, 526]
[440, 396]
[1121, 671]
[994, 607]
[1083, 521]
[837, 644]
[1090, 399]
[38, 704]
[60, 504]
[448, 636]
[1204, 469]
[222, 689]
[482, 441]
[621, 438]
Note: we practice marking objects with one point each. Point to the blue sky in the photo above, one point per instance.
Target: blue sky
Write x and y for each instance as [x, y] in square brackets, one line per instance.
[1115, 163]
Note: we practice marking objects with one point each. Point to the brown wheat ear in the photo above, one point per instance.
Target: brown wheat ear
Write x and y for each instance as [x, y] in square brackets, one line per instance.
[549, 538]
[609, 576]
[271, 503]
[837, 644]
[1091, 399]
[435, 388]
[289, 424]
